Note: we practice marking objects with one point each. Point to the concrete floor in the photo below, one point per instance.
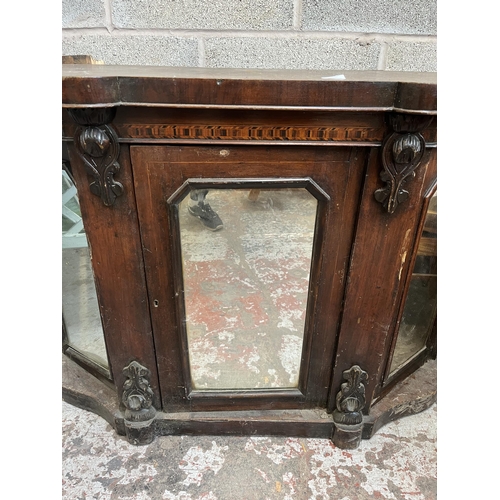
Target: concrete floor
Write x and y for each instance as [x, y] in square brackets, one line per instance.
[398, 463]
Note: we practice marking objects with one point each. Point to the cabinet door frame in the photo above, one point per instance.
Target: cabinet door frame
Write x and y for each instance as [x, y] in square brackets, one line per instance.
[159, 173]
[322, 199]
[375, 288]
[391, 378]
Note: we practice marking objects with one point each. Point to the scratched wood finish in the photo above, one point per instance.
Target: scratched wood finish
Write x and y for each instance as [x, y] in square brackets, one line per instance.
[380, 260]
[159, 171]
[389, 380]
[121, 85]
[114, 241]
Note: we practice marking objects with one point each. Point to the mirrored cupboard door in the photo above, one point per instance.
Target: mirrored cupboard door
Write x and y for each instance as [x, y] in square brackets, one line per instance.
[238, 242]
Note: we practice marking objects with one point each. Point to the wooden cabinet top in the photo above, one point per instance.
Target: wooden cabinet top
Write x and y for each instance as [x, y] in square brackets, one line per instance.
[94, 85]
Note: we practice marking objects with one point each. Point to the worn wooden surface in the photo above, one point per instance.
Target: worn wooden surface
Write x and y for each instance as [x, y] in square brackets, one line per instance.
[96, 85]
[81, 389]
[379, 263]
[422, 246]
[115, 247]
[412, 395]
[159, 171]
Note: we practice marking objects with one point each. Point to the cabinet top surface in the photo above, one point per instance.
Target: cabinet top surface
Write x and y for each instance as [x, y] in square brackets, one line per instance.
[92, 85]
[100, 70]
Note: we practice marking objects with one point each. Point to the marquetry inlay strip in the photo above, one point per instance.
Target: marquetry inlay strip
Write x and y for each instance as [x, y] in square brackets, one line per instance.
[252, 132]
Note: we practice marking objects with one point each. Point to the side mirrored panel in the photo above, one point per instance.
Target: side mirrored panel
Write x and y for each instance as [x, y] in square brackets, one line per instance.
[82, 321]
[420, 307]
[246, 259]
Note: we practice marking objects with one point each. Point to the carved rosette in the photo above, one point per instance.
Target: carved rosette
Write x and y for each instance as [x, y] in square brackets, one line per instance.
[97, 145]
[137, 395]
[350, 400]
[402, 152]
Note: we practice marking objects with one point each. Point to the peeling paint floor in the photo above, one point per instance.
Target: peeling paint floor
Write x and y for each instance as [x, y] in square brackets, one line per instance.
[398, 463]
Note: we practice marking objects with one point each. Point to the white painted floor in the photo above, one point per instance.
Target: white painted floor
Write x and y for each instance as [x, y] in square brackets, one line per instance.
[399, 462]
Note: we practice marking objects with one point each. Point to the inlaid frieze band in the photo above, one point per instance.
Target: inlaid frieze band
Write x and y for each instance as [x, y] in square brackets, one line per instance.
[253, 132]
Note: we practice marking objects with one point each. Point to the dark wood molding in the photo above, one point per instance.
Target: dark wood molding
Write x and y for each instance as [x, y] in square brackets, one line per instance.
[100, 85]
[401, 154]
[97, 144]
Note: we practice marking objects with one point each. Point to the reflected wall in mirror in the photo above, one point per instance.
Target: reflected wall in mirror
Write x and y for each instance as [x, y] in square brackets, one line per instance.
[82, 320]
[420, 307]
[246, 259]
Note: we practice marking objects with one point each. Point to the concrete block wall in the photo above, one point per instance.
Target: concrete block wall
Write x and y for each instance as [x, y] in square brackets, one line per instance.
[395, 35]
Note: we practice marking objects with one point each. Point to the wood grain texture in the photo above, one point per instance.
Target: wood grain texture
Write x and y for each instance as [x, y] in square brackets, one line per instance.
[115, 245]
[95, 85]
[379, 263]
[422, 246]
[160, 171]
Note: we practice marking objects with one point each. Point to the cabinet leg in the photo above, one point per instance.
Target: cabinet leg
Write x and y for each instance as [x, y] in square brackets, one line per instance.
[347, 437]
[139, 433]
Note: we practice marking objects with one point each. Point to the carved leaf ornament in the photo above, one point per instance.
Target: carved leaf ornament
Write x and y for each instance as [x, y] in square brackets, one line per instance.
[350, 400]
[402, 152]
[97, 144]
[137, 395]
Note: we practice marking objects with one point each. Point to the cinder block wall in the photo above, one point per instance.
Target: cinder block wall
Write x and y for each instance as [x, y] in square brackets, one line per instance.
[395, 35]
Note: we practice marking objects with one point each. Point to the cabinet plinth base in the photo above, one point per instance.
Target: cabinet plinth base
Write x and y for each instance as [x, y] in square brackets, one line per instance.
[411, 396]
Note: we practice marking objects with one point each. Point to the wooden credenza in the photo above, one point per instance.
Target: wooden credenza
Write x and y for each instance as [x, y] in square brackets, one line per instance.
[315, 298]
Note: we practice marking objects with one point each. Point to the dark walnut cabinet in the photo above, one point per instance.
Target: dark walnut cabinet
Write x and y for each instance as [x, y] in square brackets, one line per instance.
[261, 249]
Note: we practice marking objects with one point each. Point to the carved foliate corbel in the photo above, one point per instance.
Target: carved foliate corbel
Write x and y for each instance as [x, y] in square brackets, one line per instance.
[349, 403]
[402, 152]
[137, 395]
[97, 144]
[350, 400]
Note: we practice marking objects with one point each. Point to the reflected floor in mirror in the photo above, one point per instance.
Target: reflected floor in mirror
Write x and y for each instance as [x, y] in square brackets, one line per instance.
[79, 304]
[246, 286]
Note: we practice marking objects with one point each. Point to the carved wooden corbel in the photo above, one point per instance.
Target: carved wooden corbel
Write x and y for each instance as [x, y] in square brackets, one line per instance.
[137, 397]
[349, 403]
[402, 152]
[97, 145]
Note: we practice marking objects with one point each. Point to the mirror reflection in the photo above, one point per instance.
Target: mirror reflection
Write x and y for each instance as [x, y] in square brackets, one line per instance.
[421, 302]
[80, 308]
[246, 258]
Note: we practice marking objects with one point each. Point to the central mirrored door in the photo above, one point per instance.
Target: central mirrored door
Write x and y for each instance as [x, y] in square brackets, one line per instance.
[246, 250]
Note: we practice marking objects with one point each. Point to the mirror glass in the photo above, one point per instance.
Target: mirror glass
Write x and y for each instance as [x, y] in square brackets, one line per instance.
[246, 259]
[80, 308]
[421, 302]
